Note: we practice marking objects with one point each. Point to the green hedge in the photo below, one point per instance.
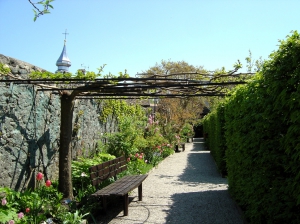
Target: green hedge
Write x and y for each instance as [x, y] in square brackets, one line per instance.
[262, 126]
[213, 126]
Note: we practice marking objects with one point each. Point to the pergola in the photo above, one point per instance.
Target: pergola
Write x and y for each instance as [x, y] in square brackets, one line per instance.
[179, 85]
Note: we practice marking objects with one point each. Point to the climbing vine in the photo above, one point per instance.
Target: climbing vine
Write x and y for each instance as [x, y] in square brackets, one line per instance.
[80, 74]
[119, 109]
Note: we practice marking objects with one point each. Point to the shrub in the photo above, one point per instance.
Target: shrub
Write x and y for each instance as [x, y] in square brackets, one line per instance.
[187, 131]
[127, 140]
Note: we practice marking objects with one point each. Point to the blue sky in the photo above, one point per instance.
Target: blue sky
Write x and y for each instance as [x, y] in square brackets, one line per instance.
[135, 34]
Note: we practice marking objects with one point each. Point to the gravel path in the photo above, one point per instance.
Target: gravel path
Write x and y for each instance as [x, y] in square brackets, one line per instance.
[184, 188]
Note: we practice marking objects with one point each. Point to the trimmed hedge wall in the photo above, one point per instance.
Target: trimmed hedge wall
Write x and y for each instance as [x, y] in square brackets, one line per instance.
[262, 128]
[213, 127]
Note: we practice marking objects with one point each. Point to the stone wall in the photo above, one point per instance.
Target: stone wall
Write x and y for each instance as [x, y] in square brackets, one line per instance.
[30, 129]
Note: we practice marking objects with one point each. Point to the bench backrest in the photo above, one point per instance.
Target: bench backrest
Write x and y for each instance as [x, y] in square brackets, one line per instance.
[107, 170]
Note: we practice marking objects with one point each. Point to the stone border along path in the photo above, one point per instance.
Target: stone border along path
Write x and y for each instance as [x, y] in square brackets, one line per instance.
[185, 188]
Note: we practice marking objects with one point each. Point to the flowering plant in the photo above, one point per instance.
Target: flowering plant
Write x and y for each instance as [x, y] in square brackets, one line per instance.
[167, 149]
[29, 206]
[136, 163]
[42, 205]
[7, 211]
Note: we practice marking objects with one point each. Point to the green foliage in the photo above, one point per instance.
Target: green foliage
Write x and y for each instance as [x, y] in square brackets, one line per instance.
[7, 214]
[119, 109]
[167, 149]
[252, 65]
[81, 175]
[41, 203]
[85, 75]
[127, 140]
[73, 218]
[80, 74]
[45, 4]
[169, 131]
[4, 69]
[214, 124]
[173, 67]
[155, 140]
[49, 75]
[187, 131]
[137, 165]
[261, 131]
[135, 136]
[10, 209]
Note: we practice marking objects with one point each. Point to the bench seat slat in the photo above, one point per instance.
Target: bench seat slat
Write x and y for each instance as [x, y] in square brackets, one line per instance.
[122, 186]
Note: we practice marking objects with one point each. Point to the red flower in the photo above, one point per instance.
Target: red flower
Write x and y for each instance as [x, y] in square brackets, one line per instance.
[39, 176]
[27, 210]
[128, 159]
[48, 183]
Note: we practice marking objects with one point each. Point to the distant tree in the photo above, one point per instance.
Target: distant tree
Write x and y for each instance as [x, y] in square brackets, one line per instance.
[177, 111]
[41, 8]
[188, 109]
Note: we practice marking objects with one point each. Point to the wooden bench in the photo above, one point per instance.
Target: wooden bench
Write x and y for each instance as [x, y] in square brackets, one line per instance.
[120, 187]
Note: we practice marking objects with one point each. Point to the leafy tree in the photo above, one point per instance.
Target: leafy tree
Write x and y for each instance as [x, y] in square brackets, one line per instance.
[177, 111]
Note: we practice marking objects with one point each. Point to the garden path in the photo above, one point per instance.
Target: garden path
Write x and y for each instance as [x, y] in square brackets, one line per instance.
[185, 188]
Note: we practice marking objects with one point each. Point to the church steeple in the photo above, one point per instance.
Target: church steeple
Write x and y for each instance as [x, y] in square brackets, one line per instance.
[63, 62]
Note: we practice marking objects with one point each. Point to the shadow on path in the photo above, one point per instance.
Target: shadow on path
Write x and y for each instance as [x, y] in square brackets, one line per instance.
[211, 202]
[211, 207]
[201, 166]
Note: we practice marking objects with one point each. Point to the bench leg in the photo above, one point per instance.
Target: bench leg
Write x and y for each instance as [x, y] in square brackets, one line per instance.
[126, 202]
[104, 203]
[140, 192]
[183, 147]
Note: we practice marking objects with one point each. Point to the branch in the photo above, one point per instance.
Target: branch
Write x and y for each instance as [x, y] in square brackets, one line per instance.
[37, 11]
[33, 4]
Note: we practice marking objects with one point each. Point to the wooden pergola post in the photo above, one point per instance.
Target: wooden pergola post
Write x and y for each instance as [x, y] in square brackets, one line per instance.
[65, 150]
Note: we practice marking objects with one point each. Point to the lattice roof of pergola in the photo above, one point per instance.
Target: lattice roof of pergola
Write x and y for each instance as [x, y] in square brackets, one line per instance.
[151, 86]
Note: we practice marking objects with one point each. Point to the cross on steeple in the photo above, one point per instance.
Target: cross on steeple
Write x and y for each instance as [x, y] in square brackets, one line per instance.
[63, 62]
[65, 33]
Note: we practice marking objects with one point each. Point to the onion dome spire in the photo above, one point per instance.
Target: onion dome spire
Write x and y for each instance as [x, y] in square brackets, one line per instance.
[63, 62]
